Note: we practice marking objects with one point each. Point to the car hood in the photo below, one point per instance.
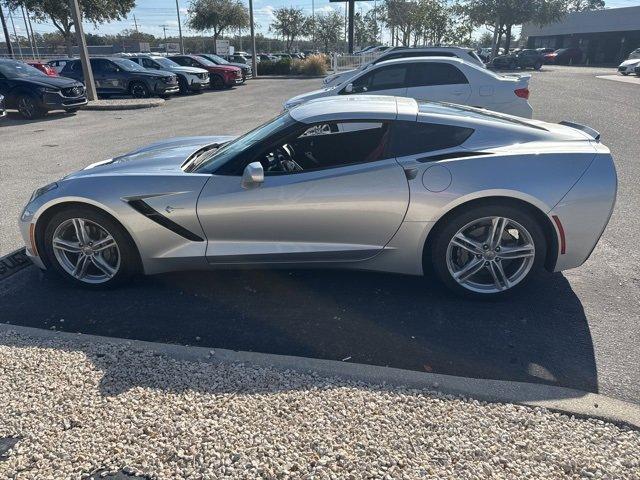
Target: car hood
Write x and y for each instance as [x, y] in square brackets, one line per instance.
[305, 97]
[46, 81]
[630, 62]
[182, 69]
[158, 158]
[241, 66]
[152, 73]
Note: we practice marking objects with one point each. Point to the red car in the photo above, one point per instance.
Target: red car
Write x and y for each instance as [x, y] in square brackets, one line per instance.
[43, 67]
[220, 76]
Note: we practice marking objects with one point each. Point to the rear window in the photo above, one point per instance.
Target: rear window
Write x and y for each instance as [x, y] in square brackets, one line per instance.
[449, 108]
[414, 138]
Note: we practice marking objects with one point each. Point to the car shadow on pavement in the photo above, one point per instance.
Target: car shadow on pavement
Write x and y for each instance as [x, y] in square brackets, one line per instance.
[539, 335]
[14, 118]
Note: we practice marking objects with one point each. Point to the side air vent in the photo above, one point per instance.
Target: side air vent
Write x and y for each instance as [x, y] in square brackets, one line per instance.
[145, 209]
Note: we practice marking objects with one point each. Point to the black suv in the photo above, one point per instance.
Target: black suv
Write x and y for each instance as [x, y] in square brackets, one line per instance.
[527, 58]
[118, 76]
[33, 93]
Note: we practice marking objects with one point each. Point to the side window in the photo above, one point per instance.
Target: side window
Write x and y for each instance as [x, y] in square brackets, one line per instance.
[148, 63]
[180, 61]
[328, 145]
[385, 78]
[431, 73]
[414, 138]
[97, 64]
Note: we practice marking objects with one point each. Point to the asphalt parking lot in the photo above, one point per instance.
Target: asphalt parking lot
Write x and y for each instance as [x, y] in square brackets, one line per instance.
[579, 329]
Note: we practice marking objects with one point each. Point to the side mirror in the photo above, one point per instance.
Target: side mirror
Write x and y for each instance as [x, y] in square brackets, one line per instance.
[253, 175]
[348, 88]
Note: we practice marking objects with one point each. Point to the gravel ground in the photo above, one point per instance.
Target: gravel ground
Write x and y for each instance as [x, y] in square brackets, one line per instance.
[81, 407]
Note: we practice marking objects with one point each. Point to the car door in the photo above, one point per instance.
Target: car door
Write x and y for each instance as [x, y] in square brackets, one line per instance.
[385, 80]
[345, 205]
[438, 81]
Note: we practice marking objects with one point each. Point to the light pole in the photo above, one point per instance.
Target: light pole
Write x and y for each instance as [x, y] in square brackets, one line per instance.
[254, 54]
[179, 29]
[87, 72]
[6, 33]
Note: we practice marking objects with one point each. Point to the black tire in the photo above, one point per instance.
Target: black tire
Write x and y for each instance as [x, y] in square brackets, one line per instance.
[537, 65]
[29, 108]
[139, 90]
[129, 264]
[217, 82]
[435, 260]
[184, 86]
[624, 73]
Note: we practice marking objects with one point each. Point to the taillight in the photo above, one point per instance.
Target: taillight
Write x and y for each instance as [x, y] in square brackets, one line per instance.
[522, 93]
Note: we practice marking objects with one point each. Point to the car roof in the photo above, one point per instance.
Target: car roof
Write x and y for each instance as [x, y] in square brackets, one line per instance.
[355, 107]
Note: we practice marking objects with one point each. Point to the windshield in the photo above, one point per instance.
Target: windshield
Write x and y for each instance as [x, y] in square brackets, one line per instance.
[241, 144]
[206, 62]
[129, 65]
[217, 59]
[165, 62]
[14, 69]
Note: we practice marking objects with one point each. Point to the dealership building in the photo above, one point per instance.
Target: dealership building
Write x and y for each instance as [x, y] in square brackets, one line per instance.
[604, 36]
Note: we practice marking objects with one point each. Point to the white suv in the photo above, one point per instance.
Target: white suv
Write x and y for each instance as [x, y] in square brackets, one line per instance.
[466, 54]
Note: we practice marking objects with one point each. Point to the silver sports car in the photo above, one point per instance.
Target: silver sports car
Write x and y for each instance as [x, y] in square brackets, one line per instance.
[481, 200]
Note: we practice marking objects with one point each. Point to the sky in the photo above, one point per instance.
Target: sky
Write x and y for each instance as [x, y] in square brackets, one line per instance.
[152, 14]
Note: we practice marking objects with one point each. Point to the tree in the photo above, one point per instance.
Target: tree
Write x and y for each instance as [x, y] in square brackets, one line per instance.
[503, 15]
[217, 15]
[328, 28]
[290, 23]
[366, 29]
[57, 11]
[583, 5]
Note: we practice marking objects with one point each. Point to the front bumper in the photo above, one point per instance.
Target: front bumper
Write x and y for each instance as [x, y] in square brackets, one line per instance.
[58, 101]
[167, 89]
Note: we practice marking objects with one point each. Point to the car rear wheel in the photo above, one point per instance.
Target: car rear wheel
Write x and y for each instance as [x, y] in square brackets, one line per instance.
[488, 251]
[139, 90]
[89, 248]
[29, 108]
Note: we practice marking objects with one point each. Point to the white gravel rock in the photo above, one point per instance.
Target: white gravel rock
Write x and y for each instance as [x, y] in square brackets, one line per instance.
[81, 407]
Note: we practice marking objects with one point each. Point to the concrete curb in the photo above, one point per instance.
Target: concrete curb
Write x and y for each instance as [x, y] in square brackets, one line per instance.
[124, 104]
[559, 399]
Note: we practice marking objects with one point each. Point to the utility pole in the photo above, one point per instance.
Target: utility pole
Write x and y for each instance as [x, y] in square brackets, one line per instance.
[87, 72]
[180, 28]
[26, 27]
[7, 39]
[33, 35]
[254, 54]
[135, 23]
[352, 7]
[15, 35]
[313, 24]
[164, 30]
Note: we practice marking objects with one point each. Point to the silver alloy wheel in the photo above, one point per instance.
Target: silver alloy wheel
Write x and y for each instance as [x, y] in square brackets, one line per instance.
[26, 107]
[86, 250]
[490, 254]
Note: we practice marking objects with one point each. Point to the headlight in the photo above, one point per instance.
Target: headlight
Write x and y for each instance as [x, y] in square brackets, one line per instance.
[42, 190]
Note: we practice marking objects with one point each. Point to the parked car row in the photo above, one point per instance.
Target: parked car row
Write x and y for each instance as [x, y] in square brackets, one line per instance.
[34, 87]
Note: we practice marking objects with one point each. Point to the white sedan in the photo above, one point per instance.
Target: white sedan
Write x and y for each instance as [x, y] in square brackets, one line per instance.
[442, 79]
[629, 65]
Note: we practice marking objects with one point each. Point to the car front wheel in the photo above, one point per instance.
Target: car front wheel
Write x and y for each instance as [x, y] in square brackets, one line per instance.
[89, 248]
[139, 90]
[488, 251]
[29, 108]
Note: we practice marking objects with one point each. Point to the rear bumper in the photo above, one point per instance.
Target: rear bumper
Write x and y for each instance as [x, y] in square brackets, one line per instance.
[585, 210]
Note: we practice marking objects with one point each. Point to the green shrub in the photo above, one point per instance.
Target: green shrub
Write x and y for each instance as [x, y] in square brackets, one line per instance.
[281, 67]
[314, 65]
